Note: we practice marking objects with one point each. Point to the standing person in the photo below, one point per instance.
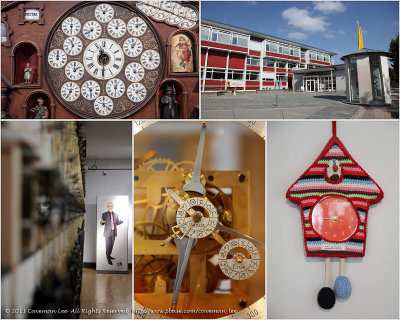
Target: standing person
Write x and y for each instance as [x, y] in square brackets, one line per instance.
[28, 73]
[111, 221]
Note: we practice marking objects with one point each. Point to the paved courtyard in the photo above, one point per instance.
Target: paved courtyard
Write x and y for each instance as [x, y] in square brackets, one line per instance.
[291, 105]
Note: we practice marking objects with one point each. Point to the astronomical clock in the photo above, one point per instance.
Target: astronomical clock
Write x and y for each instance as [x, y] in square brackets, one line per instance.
[100, 59]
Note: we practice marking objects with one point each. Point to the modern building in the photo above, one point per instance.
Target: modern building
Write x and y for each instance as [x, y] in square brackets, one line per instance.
[233, 57]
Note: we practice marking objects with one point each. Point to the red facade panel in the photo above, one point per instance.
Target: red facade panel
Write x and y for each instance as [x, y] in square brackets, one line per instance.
[222, 46]
[320, 62]
[252, 85]
[280, 70]
[268, 69]
[217, 59]
[253, 68]
[236, 61]
[303, 61]
[215, 85]
[268, 83]
[255, 53]
[278, 55]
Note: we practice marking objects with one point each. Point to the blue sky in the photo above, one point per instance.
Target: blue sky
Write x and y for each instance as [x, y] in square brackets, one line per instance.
[329, 25]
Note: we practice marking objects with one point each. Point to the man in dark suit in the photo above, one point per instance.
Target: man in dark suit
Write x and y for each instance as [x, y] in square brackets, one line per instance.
[110, 220]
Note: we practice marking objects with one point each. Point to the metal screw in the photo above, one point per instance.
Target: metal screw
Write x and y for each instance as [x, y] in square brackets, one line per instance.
[210, 178]
[242, 177]
[242, 302]
[136, 178]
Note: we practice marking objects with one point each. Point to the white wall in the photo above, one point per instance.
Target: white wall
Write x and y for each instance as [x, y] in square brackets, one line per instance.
[115, 182]
[293, 279]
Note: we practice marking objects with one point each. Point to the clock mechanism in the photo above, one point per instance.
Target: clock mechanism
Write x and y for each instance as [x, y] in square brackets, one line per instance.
[192, 244]
[104, 60]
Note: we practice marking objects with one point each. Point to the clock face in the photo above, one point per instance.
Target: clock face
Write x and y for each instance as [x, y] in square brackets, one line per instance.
[134, 72]
[104, 12]
[133, 47]
[177, 14]
[74, 70]
[334, 219]
[103, 59]
[137, 27]
[71, 26]
[109, 41]
[116, 28]
[136, 92]
[70, 91]
[91, 30]
[90, 90]
[150, 59]
[103, 105]
[191, 17]
[72, 46]
[164, 10]
[115, 88]
[57, 58]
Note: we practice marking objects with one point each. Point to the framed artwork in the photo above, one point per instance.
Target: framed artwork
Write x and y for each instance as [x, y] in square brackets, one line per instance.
[112, 234]
[182, 54]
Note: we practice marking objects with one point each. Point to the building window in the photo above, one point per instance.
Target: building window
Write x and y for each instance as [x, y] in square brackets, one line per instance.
[267, 46]
[234, 40]
[274, 47]
[254, 76]
[268, 78]
[215, 74]
[291, 65]
[224, 37]
[214, 35]
[252, 61]
[286, 50]
[242, 41]
[281, 77]
[280, 64]
[235, 75]
[268, 63]
[205, 33]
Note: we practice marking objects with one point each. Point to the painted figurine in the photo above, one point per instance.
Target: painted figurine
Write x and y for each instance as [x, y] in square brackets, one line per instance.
[184, 52]
[28, 73]
[169, 104]
[40, 110]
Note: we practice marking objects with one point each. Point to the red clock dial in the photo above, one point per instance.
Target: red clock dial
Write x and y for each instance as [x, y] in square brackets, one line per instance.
[334, 219]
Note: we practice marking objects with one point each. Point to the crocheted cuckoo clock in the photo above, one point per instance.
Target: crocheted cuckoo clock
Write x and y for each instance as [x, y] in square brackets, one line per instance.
[334, 195]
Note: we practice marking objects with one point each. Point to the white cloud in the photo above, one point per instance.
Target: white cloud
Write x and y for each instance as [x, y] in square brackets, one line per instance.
[330, 35]
[300, 18]
[329, 6]
[297, 35]
[341, 32]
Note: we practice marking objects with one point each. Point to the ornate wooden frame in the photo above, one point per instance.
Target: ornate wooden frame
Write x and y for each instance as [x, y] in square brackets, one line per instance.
[10, 31]
[40, 77]
[184, 92]
[22, 7]
[44, 92]
[195, 39]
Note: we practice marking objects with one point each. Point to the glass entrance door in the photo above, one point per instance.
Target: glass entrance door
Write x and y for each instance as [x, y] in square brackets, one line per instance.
[376, 78]
[310, 85]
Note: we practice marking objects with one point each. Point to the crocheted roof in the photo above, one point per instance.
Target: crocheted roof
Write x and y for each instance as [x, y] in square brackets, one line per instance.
[354, 184]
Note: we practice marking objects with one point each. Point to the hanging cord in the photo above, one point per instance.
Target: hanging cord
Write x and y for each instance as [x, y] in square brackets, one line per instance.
[334, 128]
[327, 271]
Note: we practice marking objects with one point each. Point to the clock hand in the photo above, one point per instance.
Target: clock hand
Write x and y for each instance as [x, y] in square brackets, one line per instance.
[194, 184]
[184, 247]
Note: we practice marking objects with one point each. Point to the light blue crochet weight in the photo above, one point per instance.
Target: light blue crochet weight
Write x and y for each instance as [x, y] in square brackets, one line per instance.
[342, 287]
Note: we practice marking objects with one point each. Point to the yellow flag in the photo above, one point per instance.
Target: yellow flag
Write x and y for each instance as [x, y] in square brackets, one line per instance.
[360, 38]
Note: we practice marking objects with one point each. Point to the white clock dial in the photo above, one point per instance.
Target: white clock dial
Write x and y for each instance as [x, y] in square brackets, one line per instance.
[191, 18]
[74, 70]
[104, 12]
[70, 91]
[71, 26]
[148, 7]
[73, 46]
[57, 58]
[115, 88]
[150, 59]
[164, 10]
[133, 47]
[91, 30]
[137, 27]
[178, 12]
[134, 72]
[103, 105]
[90, 90]
[116, 28]
[103, 59]
[136, 92]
